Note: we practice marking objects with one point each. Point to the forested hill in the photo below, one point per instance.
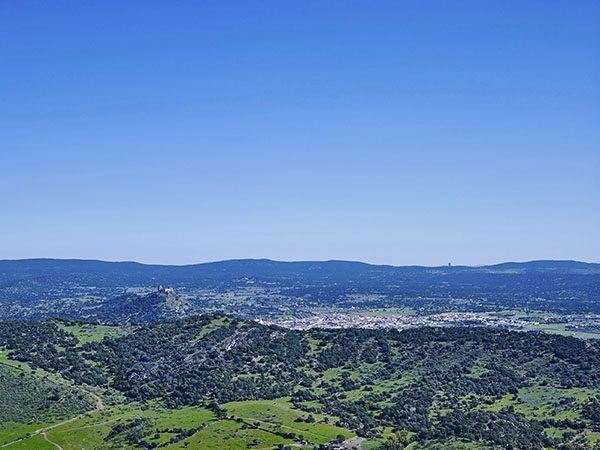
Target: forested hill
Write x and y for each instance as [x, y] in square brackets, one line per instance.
[132, 273]
[490, 387]
[50, 287]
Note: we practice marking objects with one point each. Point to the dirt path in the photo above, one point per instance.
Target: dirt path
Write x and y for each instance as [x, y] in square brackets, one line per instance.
[99, 404]
[42, 431]
[53, 443]
[64, 422]
[99, 407]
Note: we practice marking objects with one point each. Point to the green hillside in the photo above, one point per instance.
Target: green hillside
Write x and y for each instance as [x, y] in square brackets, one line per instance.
[27, 398]
[215, 381]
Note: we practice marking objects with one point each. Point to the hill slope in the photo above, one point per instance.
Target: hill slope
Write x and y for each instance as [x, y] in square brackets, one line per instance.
[489, 387]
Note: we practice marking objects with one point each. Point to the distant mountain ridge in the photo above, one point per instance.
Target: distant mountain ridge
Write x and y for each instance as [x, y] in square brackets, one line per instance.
[37, 288]
[12, 270]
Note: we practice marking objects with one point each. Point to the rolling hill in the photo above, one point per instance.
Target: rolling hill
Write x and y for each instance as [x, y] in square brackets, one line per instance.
[215, 381]
[40, 288]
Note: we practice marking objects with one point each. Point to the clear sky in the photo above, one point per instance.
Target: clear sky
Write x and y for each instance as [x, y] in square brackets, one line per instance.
[400, 132]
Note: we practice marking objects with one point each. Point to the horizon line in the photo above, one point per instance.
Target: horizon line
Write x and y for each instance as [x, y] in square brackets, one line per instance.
[298, 261]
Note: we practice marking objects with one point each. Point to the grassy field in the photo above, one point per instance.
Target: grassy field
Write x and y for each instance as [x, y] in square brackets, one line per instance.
[92, 333]
[92, 431]
[229, 434]
[279, 416]
[11, 431]
[258, 425]
[561, 328]
[33, 443]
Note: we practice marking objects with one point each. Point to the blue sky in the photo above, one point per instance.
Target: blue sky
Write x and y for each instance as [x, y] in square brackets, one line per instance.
[401, 132]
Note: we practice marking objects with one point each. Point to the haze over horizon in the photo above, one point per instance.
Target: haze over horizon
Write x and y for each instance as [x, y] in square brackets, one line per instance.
[300, 261]
[418, 133]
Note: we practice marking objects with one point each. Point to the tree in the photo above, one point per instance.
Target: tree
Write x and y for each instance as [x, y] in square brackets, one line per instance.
[397, 441]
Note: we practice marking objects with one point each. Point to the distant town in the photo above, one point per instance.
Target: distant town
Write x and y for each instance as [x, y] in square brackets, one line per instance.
[401, 322]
